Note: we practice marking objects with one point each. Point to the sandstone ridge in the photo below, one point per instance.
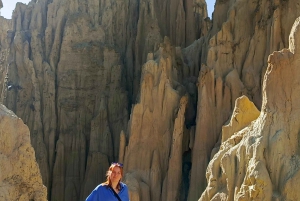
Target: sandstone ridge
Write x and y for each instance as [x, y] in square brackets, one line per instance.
[71, 70]
[155, 84]
[20, 177]
[261, 161]
[157, 130]
[243, 34]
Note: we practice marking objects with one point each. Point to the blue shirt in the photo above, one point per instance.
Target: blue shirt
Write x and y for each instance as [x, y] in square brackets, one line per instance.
[103, 193]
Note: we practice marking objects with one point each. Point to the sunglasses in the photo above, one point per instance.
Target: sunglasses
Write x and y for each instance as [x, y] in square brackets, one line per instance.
[117, 164]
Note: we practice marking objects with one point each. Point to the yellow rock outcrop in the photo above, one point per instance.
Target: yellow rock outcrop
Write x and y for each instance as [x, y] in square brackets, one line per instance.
[243, 114]
[243, 35]
[20, 177]
[261, 161]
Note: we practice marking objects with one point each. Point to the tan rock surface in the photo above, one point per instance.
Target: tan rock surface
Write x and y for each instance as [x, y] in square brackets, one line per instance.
[74, 71]
[181, 21]
[20, 177]
[243, 35]
[5, 39]
[243, 114]
[261, 161]
[153, 157]
[75, 67]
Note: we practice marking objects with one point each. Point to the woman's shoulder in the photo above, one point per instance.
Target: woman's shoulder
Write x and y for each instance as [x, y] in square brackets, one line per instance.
[123, 185]
[124, 192]
[101, 186]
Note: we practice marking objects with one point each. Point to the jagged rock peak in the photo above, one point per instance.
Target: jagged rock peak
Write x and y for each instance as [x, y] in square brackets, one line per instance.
[261, 161]
[153, 158]
[243, 113]
[20, 177]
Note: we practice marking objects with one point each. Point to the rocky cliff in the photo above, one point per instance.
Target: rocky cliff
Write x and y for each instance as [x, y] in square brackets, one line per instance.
[72, 71]
[98, 81]
[153, 157]
[20, 177]
[243, 35]
[261, 161]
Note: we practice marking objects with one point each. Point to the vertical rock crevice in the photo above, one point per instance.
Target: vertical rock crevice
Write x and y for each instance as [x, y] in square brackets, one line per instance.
[71, 66]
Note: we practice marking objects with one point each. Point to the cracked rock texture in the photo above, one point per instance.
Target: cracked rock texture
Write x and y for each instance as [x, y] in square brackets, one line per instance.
[261, 161]
[72, 72]
[243, 35]
[153, 157]
[97, 81]
[20, 177]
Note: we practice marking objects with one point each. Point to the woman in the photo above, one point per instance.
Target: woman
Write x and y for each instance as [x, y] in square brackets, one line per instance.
[113, 189]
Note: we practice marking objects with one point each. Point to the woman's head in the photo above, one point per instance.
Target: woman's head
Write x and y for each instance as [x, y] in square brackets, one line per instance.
[114, 173]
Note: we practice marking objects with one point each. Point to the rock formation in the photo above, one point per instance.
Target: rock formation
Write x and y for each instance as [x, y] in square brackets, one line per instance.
[97, 81]
[153, 157]
[20, 177]
[261, 161]
[72, 72]
[243, 35]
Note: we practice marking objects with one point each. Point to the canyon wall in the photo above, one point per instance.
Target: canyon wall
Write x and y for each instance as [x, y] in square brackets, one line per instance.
[97, 81]
[243, 35]
[72, 71]
[261, 161]
[20, 177]
[153, 157]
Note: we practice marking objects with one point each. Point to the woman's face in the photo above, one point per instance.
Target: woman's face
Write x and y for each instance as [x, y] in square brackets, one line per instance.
[116, 174]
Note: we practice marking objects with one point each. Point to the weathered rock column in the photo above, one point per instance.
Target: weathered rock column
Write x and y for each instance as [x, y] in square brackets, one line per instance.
[153, 157]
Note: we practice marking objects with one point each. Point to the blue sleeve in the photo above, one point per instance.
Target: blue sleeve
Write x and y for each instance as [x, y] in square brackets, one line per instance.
[126, 195]
[93, 196]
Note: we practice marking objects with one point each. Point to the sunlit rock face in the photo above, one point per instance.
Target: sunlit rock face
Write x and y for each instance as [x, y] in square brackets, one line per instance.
[72, 69]
[261, 161]
[97, 81]
[20, 177]
[243, 35]
[154, 155]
